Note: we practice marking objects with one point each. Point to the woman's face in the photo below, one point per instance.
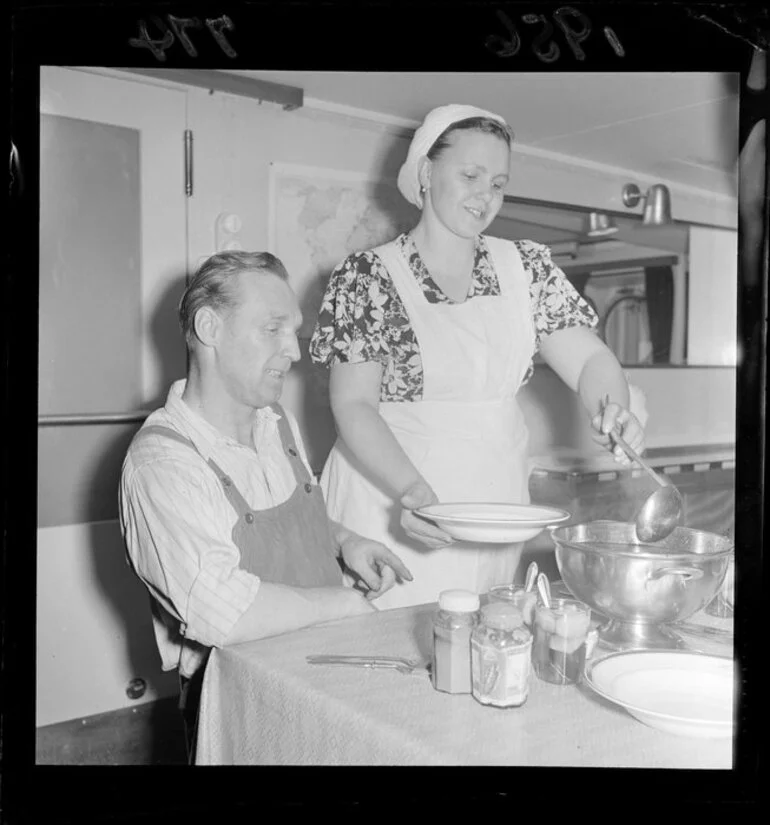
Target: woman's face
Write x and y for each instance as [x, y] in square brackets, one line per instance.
[466, 182]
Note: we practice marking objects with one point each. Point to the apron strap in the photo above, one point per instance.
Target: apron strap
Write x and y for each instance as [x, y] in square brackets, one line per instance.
[159, 429]
[232, 493]
[301, 475]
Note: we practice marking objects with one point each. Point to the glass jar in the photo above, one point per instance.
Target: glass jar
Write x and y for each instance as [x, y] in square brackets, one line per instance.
[457, 615]
[501, 647]
[518, 596]
[561, 641]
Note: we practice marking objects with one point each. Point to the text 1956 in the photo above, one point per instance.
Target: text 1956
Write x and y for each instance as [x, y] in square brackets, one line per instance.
[564, 17]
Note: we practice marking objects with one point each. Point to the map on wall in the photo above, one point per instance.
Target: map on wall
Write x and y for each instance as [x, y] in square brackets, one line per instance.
[320, 216]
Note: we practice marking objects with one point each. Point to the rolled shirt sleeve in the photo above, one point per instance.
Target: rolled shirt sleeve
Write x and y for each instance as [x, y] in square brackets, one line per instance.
[177, 530]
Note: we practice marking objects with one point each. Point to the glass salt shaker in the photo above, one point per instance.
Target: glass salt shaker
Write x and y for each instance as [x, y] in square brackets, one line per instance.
[457, 615]
[501, 648]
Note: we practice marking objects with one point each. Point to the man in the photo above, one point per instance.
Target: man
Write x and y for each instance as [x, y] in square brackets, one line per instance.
[222, 519]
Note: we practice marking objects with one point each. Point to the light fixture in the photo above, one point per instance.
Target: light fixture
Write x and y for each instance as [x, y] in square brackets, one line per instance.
[657, 203]
[598, 225]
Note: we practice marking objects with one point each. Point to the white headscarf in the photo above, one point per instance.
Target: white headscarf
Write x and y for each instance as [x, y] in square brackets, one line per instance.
[434, 124]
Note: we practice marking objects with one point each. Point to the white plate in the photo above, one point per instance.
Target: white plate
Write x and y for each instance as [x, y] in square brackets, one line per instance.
[685, 693]
[496, 523]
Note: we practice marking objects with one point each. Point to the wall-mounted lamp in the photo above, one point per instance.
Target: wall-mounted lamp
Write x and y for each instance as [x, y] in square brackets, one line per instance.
[657, 203]
[598, 225]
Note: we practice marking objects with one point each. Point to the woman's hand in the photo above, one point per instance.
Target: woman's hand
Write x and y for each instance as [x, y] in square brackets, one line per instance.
[612, 417]
[373, 565]
[420, 494]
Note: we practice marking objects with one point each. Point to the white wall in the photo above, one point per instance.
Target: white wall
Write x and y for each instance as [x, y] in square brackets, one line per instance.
[236, 140]
[94, 630]
[686, 406]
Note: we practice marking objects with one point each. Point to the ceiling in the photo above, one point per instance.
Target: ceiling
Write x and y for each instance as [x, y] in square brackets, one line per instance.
[679, 127]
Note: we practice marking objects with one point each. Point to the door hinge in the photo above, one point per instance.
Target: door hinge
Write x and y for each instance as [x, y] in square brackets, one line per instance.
[188, 162]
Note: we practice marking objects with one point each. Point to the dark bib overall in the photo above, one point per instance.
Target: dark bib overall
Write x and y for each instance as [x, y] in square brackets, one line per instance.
[288, 544]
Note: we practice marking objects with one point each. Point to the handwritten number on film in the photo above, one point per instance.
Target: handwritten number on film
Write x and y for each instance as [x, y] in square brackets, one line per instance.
[179, 27]
[574, 25]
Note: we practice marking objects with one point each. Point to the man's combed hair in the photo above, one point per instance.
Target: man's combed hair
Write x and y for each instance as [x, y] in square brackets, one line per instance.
[213, 284]
[474, 124]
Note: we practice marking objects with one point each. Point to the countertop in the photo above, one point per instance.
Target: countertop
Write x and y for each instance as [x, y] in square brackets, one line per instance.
[572, 462]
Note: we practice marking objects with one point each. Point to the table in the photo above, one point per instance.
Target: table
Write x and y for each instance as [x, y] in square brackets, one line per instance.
[262, 704]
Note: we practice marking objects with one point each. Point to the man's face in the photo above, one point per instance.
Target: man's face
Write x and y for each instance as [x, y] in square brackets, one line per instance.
[257, 342]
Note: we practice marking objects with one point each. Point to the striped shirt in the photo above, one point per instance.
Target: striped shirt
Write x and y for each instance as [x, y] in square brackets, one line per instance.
[177, 523]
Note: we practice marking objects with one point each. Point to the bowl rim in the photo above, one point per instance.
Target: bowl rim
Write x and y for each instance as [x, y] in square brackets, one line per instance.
[673, 556]
[442, 512]
[590, 667]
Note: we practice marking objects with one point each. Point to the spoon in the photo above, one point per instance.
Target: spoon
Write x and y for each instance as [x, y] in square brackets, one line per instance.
[662, 511]
[529, 581]
[544, 588]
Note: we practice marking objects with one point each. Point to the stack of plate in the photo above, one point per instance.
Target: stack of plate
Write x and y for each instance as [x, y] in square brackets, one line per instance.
[494, 523]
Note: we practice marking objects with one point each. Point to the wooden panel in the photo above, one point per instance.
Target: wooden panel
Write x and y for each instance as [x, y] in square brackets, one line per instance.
[90, 311]
[89, 266]
[79, 472]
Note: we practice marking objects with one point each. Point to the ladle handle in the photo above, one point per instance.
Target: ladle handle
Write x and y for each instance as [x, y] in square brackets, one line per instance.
[631, 453]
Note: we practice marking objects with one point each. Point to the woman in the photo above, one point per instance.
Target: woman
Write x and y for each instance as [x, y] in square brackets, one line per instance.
[429, 338]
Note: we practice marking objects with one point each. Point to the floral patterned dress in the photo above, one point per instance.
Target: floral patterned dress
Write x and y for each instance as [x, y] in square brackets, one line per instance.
[362, 317]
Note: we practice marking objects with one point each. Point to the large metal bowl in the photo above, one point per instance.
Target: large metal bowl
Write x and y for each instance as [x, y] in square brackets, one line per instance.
[640, 587]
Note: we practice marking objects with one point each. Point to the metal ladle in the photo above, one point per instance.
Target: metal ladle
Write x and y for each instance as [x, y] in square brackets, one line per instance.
[662, 511]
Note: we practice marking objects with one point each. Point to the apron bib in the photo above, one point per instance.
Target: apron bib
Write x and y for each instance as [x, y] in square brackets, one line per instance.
[290, 543]
[467, 436]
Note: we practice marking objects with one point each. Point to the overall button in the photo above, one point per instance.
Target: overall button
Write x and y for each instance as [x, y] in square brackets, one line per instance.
[292, 451]
[249, 518]
[226, 481]
[308, 488]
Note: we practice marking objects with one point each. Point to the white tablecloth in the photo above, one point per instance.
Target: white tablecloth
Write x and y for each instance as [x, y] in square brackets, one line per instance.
[263, 704]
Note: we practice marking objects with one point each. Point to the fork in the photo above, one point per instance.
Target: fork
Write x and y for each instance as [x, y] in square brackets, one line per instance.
[398, 663]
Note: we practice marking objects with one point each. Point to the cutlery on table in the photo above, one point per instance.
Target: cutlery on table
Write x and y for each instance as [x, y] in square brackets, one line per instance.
[393, 662]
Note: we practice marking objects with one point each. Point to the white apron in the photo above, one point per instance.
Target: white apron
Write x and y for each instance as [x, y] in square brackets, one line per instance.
[467, 436]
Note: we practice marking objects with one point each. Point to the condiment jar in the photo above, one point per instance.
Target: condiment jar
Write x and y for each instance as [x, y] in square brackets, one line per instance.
[457, 615]
[501, 647]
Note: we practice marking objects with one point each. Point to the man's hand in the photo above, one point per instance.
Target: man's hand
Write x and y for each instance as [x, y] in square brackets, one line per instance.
[373, 564]
[614, 416]
[420, 494]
